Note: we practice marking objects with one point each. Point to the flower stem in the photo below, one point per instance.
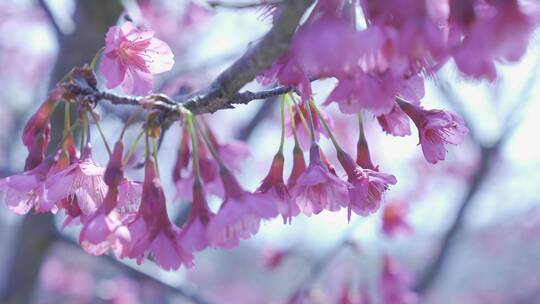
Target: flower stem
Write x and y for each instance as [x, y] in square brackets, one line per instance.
[94, 61]
[130, 121]
[293, 124]
[133, 147]
[326, 127]
[65, 136]
[194, 146]
[94, 116]
[84, 129]
[282, 143]
[155, 154]
[362, 135]
[208, 143]
[299, 111]
[67, 121]
[311, 123]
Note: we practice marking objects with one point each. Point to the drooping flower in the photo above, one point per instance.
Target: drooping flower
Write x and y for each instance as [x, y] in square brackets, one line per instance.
[100, 230]
[82, 183]
[273, 189]
[365, 186]
[151, 231]
[365, 92]
[333, 24]
[416, 28]
[193, 236]
[498, 32]
[436, 128]
[318, 188]
[240, 214]
[24, 191]
[37, 135]
[132, 56]
[395, 122]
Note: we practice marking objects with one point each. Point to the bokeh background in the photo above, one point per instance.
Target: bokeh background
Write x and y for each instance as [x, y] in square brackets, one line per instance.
[470, 226]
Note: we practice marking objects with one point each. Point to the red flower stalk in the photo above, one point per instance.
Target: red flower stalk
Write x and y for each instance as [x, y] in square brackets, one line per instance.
[273, 189]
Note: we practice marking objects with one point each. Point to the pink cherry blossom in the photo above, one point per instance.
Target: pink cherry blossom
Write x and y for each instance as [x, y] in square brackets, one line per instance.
[240, 214]
[193, 236]
[396, 122]
[151, 231]
[333, 25]
[418, 26]
[273, 189]
[365, 92]
[499, 32]
[100, 230]
[365, 186]
[81, 182]
[132, 56]
[22, 192]
[318, 188]
[436, 128]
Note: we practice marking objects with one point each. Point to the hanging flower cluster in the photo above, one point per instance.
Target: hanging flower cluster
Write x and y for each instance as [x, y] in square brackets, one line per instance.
[378, 69]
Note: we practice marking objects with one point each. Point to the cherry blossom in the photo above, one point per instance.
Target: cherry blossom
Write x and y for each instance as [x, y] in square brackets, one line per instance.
[436, 128]
[132, 56]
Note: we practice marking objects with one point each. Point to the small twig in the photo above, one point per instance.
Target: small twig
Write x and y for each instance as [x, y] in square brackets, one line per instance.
[56, 27]
[320, 265]
[141, 274]
[243, 5]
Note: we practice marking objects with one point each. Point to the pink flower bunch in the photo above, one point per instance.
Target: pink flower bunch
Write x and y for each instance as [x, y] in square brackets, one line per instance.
[436, 128]
[400, 42]
[377, 69]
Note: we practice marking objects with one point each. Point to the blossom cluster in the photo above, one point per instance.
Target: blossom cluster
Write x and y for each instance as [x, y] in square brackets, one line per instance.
[379, 70]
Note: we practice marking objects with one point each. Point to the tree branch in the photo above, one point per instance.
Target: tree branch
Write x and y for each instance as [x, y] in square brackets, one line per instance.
[168, 105]
[56, 27]
[256, 59]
